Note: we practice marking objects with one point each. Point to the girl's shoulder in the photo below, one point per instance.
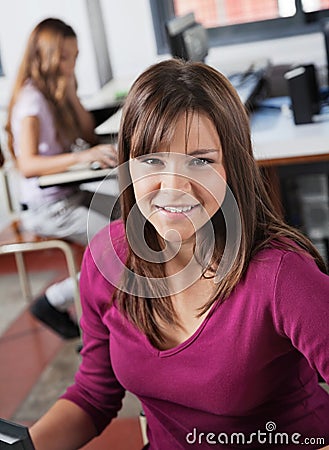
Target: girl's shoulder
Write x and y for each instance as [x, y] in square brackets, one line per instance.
[30, 91]
[113, 233]
[107, 251]
[112, 236]
[30, 100]
[272, 255]
[284, 261]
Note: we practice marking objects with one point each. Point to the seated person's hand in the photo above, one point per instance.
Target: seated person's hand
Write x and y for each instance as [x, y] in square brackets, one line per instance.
[104, 154]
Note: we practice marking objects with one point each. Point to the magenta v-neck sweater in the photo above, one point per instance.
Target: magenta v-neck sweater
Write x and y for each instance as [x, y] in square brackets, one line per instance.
[251, 364]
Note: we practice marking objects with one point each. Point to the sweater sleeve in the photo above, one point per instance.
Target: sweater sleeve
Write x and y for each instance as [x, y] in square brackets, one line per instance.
[301, 308]
[96, 389]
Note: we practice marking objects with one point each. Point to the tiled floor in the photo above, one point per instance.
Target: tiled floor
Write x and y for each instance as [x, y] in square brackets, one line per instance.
[37, 365]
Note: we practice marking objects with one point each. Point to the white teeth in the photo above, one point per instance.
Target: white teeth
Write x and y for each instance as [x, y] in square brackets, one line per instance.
[175, 209]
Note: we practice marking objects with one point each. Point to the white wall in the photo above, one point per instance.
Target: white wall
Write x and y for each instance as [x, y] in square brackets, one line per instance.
[131, 42]
[128, 26]
[303, 49]
[18, 18]
[130, 35]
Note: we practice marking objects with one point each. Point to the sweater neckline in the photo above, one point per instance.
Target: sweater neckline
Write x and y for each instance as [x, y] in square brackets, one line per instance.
[183, 345]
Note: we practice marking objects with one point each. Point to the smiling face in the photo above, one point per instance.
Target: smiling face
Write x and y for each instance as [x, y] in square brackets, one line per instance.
[181, 186]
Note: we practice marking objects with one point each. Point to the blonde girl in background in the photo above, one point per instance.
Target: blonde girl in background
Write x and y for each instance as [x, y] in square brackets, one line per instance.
[48, 131]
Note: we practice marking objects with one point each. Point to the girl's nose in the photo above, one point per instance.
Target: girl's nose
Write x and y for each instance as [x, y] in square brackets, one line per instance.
[176, 182]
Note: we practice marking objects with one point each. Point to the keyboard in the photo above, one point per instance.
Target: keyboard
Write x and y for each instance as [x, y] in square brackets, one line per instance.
[248, 85]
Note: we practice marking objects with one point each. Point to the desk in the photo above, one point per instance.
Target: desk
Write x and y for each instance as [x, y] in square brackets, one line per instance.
[276, 139]
[103, 182]
[107, 96]
[76, 176]
[111, 125]
[107, 100]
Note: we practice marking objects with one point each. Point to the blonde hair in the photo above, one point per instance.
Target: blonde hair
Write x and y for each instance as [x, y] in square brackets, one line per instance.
[40, 65]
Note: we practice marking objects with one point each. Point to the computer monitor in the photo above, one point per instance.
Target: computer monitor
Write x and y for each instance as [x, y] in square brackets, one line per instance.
[187, 38]
[14, 436]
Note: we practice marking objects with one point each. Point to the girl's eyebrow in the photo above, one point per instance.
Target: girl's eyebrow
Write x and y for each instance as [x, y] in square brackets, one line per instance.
[202, 151]
[199, 151]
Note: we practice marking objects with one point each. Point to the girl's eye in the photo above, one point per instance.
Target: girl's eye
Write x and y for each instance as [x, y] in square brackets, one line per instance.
[152, 161]
[201, 162]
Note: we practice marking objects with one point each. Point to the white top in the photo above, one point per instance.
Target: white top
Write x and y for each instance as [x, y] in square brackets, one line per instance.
[32, 103]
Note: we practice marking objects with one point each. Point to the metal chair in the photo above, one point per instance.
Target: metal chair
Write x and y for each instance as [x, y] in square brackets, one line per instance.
[143, 427]
[15, 240]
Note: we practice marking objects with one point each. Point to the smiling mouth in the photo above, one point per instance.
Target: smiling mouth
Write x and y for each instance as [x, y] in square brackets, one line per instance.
[177, 209]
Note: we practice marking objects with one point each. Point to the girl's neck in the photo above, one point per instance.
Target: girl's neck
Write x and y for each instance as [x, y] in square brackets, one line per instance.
[183, 270]
[184, 255]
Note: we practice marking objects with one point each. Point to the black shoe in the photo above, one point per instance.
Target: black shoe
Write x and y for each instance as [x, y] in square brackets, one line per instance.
[58, 321]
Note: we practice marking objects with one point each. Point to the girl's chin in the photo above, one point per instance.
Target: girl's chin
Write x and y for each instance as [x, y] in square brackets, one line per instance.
[175, 236]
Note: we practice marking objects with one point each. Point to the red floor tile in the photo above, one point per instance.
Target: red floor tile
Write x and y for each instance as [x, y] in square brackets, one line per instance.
[26, 348]
[42, 260]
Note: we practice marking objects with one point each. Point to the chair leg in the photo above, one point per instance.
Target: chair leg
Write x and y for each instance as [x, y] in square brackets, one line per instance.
[143, 427]
[43, 245]
[71, 266]
[23, 277]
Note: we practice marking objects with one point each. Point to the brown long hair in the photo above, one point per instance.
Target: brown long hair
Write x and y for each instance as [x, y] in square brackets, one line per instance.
[40, 65]
[157, 99]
